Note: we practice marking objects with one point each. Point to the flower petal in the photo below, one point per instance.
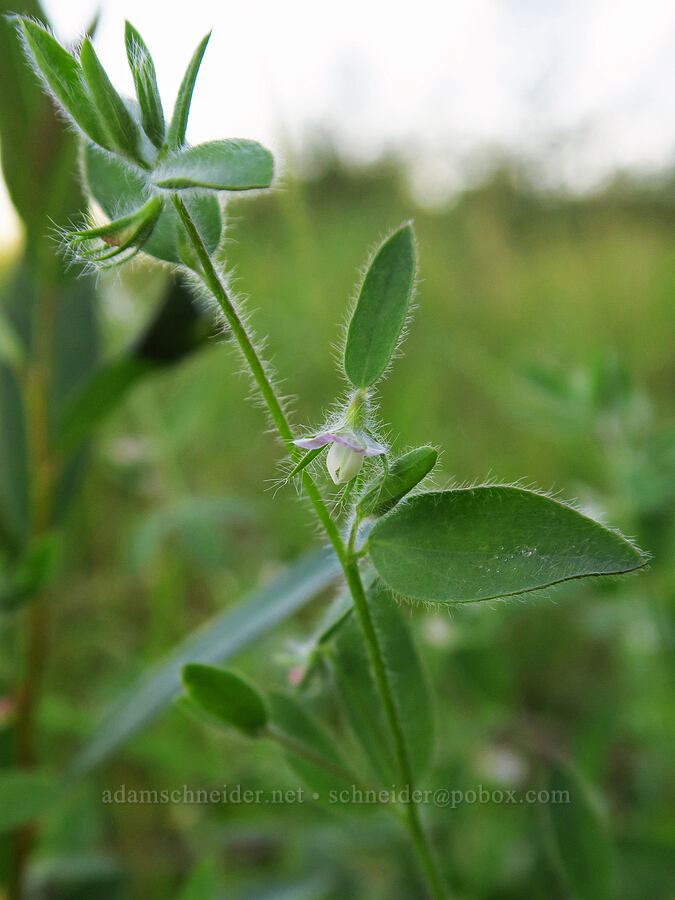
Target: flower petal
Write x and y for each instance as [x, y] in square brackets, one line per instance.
[313, 443]
[373, 447]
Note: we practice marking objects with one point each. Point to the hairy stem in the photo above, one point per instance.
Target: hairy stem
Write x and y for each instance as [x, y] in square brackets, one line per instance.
[345, 555]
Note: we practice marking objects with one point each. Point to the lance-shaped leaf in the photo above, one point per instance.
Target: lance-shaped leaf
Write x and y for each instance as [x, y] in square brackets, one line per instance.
[117, 120]
[178, 125]
[403, 475]
[229, 165]
[65, 78]
[577, 836]
[227, 696]
[487, 542]
[410, 690]
[381, 309]
[145, 80]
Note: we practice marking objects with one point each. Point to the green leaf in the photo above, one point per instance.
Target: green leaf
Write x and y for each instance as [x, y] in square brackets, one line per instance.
[24, 794]
[487, 542]
[404, 474]
[65, 78]
[227, 696]
[117, 120]
[328, 775]
[178, 125]
[410, 689]
[14, 478]
[381, 309]
[121, 190]
[577, 836]
[216, 641]
[202, 881]
[229, 165]
[145, 80]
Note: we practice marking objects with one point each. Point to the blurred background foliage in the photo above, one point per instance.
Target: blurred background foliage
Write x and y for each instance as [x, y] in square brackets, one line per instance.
[542, 350]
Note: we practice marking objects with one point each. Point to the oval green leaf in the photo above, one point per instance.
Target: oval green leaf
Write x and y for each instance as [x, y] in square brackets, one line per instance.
[404, 474]
[488, 542]
[410, 688]
[381, 309]
[228, 165]
[227, 696]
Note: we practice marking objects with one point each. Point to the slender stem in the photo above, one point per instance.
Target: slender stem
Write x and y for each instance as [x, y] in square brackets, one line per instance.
[345, 555]
[42, 475]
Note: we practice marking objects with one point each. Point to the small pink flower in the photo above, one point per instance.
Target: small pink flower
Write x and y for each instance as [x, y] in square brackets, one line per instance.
[348, 450]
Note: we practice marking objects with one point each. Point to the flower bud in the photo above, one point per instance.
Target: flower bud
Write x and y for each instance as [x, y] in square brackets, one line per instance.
[343, 463]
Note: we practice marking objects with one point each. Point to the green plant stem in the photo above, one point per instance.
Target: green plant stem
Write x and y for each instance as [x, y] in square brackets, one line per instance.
[42, 475]
[345, 556]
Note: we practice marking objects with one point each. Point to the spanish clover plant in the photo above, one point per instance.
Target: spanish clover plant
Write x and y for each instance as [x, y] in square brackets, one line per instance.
[395, 541]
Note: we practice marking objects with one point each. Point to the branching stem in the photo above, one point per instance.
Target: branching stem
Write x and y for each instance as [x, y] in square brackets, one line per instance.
[345, 554]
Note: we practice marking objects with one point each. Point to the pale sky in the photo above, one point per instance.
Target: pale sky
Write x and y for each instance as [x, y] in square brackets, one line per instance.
[582, 87]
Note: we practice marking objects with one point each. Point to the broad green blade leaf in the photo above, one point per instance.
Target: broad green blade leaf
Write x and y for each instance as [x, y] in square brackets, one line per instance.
[215, 642]
[381, 309]
[145, 80]
[24, 794]
[409, 686]
[487, 542]
[324, 778]
[229, 165]
[404, 474]
[121, 190]
[65, 78]
[227, 696]
[202, 882]
[116, 118]
[577, 836]
[178, 125]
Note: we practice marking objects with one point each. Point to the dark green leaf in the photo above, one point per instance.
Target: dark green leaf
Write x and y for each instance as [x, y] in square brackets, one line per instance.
[65, 78]
[181, 111]
[409, 688]
[381, 309]
[578, 837]
[24, 794]
[216, 641]
[116, 118]
[227, 696]
[145, 80]
[404, 474]
[14, 504]
[487, 542]
[229, 165]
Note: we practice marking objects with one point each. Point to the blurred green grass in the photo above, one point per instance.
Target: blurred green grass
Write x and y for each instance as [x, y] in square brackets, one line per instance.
[542, 349]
